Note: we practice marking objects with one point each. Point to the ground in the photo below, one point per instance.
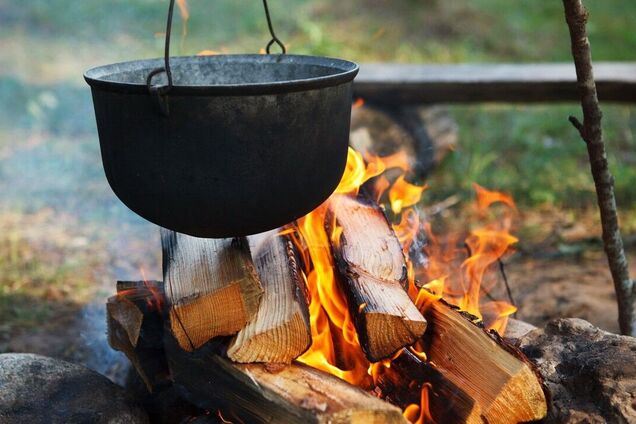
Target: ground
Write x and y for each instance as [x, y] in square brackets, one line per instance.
[64, 237]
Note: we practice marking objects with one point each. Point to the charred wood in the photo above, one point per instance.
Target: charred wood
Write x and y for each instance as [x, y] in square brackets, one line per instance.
[258, 393]
[135, 327]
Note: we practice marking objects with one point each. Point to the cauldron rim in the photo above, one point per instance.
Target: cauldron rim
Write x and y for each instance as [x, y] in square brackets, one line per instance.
[344, 71]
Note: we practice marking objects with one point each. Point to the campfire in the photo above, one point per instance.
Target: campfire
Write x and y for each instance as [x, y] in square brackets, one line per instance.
[356, 312]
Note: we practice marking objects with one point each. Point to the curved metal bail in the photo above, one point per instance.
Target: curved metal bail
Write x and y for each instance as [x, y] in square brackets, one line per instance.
[161, 91]
[274, 39]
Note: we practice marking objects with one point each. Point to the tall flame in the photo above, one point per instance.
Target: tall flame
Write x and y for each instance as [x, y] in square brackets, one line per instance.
[476, 262]
[335, 346]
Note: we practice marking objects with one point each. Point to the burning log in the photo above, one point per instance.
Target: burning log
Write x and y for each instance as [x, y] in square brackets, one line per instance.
[497, 376]
[135, 327]
[212, 287]
[373, 270]
[258, 393]
[447, 403]
[280, 331]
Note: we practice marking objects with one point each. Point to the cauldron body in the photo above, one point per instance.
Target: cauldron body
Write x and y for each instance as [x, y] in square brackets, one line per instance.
[248, 143]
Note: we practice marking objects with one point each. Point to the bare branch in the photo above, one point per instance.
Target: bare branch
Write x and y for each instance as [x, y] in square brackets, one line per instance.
[577, 124]
[576, 17]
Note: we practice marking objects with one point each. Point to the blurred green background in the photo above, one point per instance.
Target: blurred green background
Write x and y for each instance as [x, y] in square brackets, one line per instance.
[62, 232]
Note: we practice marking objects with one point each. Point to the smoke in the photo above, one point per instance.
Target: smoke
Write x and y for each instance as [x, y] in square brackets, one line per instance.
[97, 353]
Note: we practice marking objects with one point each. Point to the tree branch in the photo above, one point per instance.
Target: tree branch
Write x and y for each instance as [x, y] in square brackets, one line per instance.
[577, 124]
[591, 132]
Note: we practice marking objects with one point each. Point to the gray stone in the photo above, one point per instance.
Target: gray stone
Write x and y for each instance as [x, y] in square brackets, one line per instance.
[590, 373]
[36, 389]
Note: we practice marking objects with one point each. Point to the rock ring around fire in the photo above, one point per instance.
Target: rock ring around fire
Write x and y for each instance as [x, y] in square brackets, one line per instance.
[37, 389]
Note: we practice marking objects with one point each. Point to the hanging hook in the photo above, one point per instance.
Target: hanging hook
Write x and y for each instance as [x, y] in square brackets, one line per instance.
[162, 90]
[274, 39]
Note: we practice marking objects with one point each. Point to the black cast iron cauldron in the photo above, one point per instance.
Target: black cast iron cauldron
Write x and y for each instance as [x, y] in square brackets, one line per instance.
[240, 144]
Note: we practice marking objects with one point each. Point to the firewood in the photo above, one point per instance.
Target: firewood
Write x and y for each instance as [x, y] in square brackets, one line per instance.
[211, 285]
[258, 393]
[280, 331]
[496, 375]
[135, 327]
[373, 276]
[447, 403]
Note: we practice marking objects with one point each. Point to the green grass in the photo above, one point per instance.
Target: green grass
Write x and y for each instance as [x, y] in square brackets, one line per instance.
[534, 153]
[44, 272]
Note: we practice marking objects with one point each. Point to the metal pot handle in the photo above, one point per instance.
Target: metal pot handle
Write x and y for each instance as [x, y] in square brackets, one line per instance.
[161, 91]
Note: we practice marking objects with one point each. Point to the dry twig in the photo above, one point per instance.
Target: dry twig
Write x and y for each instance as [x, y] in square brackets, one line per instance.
[591, 132]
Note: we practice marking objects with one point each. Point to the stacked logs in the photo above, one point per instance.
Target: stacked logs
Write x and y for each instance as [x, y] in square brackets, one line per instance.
[235, 318]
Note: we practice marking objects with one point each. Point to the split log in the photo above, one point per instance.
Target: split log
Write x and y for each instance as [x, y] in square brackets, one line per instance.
[373, 276]
[211, 285]
[257, 393]
[402, 383]
[495, 374]
[135, 327]
[280, 331]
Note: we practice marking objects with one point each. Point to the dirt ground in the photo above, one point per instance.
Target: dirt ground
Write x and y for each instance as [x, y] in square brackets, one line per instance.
[581, 288]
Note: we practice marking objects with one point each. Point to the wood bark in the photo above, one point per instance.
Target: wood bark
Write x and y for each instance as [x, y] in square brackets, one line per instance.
[280, 331]
[497, 376]
[257, 393]
[591, 131]
[135, 327]
[211, 285]
[373, 276]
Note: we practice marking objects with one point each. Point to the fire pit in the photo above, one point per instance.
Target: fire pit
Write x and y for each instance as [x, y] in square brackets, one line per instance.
[323, 320]
[305, 322]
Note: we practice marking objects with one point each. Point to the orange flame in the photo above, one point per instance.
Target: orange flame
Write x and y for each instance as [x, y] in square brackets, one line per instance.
[403, 194]
[208, 53]
[331, 323]
[357, 172]
[460, 278]
[485, 198]
[185, 15]
[153, 298]
[183, 9]
[399, 159]
[477, 272]
[358, 103]
[407, 229]
[419, 414]
[156, 301]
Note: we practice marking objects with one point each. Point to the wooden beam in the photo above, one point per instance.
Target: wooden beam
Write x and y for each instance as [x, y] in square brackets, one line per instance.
[373, 276]
[257, 393]
[496, 375]
[280, 331]
[211, 286]
[522, 83]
